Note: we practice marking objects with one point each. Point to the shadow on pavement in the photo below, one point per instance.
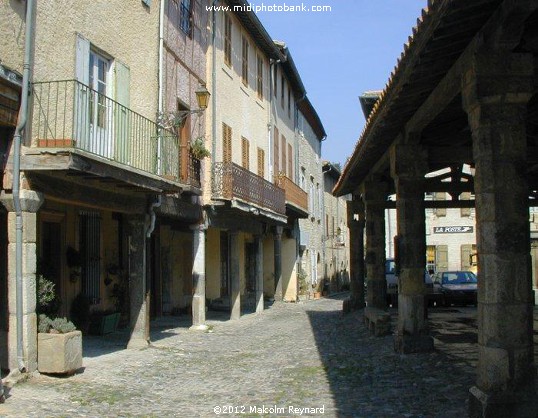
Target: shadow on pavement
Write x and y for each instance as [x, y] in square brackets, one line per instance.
[368, 379]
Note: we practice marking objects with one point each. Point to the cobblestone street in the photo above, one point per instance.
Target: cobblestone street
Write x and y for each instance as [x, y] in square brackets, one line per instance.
[306, 355]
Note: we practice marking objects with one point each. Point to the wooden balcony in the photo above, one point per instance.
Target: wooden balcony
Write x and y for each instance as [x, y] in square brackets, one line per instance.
[231, 181]
[296, 198]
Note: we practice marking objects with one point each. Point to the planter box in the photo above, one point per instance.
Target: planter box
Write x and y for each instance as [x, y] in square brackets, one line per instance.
[55, 143]
[104, 324]
[59, 353]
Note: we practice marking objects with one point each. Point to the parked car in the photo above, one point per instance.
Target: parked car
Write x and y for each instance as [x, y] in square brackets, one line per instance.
[392, 282]
[455, 287]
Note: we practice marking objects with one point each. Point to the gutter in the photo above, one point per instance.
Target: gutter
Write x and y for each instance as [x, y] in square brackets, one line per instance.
[213, 86]
[17, 141]
[160, 81]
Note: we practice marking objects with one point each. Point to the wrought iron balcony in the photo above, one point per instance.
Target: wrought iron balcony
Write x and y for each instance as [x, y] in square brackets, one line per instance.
[231, 181]
[295, 196]
[69, 114]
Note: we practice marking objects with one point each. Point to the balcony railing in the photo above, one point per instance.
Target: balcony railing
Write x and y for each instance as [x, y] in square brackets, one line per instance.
[69, 114]
[294, 194]
[231, 181]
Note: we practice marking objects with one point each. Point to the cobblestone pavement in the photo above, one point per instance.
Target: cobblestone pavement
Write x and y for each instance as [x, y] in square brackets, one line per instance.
[305, 355]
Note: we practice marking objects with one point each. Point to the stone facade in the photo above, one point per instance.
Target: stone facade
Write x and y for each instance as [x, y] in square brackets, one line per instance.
[336, 236]
[311, 252]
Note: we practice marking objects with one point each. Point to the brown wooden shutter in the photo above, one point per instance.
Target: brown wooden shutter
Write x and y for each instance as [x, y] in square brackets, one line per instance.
[290, 163]
[245, 153]
[226, 143]
[284, 162]
[441, 258]
[261, 163]
[465, 211]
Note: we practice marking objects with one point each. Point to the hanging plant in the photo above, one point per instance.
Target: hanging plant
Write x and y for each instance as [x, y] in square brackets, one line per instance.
[198, 149]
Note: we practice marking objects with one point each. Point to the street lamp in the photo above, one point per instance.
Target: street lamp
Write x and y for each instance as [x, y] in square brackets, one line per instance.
[202, 97]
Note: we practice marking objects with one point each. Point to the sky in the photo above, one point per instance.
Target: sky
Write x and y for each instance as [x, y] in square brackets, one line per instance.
[342, 53]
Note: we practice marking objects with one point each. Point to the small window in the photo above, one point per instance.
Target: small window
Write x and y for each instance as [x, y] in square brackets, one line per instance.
[185, 16]
[290, 163]
[282, 81]
[244, 71]
[228, 40]
[284, 162]
[276, 153]
[259, 80]
[289, 102]
[275, 81]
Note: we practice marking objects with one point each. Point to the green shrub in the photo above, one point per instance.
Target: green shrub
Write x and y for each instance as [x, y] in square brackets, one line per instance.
[55, 326]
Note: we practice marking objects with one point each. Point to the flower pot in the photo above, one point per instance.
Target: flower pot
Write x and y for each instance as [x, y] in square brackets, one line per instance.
[59, 353]
[317, 295]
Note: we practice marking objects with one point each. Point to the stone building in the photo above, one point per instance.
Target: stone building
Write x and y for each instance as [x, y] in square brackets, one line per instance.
[461, 96]
[310, 135]
[336, 233]
[99, 171]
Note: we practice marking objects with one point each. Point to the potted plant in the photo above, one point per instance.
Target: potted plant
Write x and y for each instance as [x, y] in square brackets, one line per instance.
[198, 149]
[59, 346]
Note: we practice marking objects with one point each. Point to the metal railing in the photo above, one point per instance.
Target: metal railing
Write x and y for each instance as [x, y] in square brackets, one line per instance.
[231, 181]
[294, 194]
[69, 114]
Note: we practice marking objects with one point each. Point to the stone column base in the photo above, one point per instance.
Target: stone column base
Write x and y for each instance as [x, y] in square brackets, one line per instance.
[202, 327]
[409, 344]
[501, 405]
[350, 304]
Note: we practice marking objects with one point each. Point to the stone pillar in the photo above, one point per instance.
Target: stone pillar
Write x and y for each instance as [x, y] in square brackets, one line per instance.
[198, 277]
[496, 90]
[356, 252]
[235, 285]
[139, 309]
[408, 167]
[278, 263]
[258, 242]
[375, 198]
[30, 201]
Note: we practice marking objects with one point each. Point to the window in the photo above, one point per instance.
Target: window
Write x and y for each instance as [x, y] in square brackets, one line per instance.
[185, 16]
[275, 81]
[290, 162]
[226, 143]
[98, 81]
[261, 162]
[228, 40]
[289, 102]
[284, 162]
[276, 153]
[245, 153]
[440, 211]
[282, 81]
[259, 80]
[320, 201]
[465, 212]
[311, 198]
[244, 67]
[90, 252]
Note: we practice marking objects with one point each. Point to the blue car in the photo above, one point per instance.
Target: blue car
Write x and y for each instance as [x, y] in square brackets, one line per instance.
[455, 287]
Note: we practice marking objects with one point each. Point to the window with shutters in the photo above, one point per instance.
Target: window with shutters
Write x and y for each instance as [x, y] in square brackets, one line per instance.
[465, 212]
[440, 211]
[282, 82]
[430, 258]
[228, 40]
[276, 152]
[441, 258]
[261, 162]
[226, 143]
[466, 256]
[245, 153]
[289, 102]
[260, 77]
[290, 162]
[275, 81]
[244, 67]
[284, 161]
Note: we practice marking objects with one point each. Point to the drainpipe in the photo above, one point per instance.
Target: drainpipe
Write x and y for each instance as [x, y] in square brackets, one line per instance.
[213, 85]
[17, 141]
[160, 81]
[152, 216]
